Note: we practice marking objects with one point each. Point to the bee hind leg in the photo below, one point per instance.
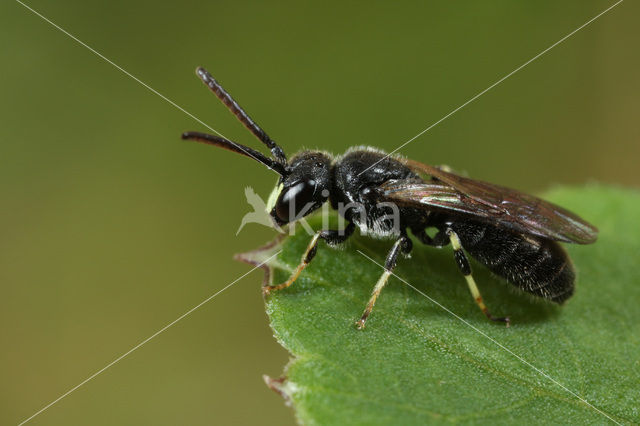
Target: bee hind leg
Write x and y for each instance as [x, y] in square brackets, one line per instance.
[465, 268]
[440, 240]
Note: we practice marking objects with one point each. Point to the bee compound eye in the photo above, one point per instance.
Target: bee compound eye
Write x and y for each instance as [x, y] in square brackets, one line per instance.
[295, 199]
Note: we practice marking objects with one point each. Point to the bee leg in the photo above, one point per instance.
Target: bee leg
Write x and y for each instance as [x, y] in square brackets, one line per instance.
[332, 237]
[465, 268]
[404, 244]
[440, 240]
[445, 168]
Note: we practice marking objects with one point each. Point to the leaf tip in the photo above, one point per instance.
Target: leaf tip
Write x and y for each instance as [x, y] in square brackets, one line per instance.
[261, 256]
[282, 386]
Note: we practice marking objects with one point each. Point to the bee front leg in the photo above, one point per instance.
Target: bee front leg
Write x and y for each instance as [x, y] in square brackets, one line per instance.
[402, 244]
[332, 237]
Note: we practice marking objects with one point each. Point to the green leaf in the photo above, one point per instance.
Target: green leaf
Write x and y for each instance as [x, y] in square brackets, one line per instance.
[417, 363]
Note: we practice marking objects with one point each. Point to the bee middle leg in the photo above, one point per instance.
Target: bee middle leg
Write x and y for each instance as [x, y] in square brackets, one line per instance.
[402, 244]
[331, 236]
[439, 240]
[465, 268]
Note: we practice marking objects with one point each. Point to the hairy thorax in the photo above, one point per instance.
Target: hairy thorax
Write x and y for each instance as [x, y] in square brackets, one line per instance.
[356, 178]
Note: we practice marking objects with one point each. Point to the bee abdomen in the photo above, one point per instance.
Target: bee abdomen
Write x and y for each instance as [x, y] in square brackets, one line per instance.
[536, 265]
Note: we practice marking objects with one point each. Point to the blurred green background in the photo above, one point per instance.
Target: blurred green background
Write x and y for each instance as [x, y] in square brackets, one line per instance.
[111, 227]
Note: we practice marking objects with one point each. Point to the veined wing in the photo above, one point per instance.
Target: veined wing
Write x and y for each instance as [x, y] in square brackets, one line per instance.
[490, 203]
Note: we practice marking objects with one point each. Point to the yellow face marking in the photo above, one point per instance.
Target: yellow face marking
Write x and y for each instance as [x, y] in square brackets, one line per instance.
[271, 202]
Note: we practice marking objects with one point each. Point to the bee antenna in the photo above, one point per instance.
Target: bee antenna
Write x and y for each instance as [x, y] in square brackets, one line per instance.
[244, 118]
[236, 147]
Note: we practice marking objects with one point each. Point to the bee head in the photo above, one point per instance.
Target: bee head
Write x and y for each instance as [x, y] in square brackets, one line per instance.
[303, 185]
[302, 189]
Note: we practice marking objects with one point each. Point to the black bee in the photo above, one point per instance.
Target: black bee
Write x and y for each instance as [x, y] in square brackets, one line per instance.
[514, 234]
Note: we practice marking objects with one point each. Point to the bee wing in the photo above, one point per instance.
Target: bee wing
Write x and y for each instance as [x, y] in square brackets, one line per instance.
[490, 203]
